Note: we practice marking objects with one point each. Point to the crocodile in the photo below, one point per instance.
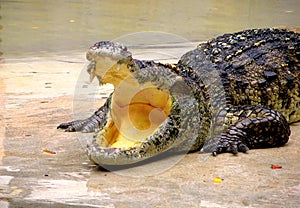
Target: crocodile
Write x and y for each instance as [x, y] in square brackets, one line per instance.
[233, 93]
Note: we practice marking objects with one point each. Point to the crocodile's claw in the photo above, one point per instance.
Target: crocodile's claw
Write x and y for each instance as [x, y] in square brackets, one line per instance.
[230, 145]
[72, 126]
[224, 143]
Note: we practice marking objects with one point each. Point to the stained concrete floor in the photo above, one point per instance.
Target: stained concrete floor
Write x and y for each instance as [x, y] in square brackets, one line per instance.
[37, 95]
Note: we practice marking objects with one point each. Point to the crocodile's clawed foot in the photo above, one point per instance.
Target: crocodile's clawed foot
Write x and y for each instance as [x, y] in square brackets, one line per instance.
[225, 143]
[263, 128]
[230, 145]
[72, 126]
[87, 125]
[66, 126]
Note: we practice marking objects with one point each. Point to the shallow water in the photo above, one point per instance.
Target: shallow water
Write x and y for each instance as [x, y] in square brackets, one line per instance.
[38, 28]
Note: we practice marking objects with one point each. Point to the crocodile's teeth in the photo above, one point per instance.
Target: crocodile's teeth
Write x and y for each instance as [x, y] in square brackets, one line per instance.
[141, 86]
[99, 79]
[118, 66]
[92, 76]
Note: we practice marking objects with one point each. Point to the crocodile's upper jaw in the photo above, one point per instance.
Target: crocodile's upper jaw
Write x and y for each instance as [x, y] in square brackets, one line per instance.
[106, 59]
[108, 70]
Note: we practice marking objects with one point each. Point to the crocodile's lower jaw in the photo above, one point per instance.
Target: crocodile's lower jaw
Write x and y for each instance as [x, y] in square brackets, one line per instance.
[136, 113]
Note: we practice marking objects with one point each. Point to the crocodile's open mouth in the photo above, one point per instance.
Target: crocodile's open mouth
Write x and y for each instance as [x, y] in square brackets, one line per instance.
[142, 117]
[136, 111]
[134, 121]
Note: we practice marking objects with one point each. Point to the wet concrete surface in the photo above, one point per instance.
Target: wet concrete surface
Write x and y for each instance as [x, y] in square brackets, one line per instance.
[45, 167]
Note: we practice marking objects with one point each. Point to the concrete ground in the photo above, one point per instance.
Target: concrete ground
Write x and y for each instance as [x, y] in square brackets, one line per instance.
[37, 95]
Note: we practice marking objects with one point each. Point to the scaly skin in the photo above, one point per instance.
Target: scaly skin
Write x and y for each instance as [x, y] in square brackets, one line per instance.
[240, 92]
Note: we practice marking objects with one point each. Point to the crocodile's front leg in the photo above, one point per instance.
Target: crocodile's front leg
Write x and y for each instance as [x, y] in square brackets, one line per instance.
[256, 127]
[90, 124]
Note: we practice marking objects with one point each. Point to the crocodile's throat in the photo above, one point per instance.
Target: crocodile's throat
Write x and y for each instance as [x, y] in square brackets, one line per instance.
[136, 111]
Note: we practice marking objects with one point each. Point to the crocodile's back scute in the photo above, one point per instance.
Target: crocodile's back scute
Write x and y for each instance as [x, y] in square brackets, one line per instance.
[256, 67]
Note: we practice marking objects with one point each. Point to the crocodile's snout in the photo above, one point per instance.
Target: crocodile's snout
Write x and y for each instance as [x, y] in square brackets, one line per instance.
[114, 50]
[108, 61]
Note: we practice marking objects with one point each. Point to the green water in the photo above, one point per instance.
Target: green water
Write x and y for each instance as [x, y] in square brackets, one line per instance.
[40, 27]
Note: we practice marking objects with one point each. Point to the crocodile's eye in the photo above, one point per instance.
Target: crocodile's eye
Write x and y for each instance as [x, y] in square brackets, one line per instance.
[131, 69]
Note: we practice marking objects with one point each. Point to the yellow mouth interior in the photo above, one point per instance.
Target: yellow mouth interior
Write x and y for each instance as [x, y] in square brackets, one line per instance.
[136, 114]
[136, 110]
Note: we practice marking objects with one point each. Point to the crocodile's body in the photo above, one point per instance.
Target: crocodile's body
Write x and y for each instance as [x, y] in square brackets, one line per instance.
[235, 92]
